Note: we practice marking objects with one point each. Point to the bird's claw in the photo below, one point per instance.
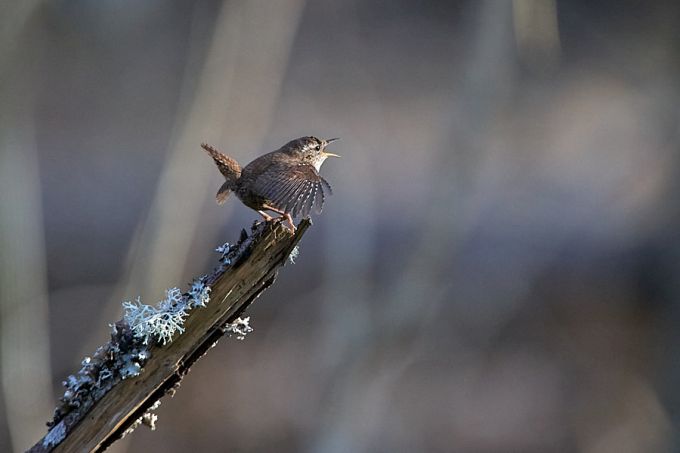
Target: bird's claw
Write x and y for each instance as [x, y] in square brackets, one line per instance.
[286, 218]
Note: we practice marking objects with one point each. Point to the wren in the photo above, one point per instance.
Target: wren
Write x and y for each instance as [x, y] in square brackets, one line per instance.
[286, 181]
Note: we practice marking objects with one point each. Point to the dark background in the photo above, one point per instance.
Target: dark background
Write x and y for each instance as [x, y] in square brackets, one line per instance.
[498, 270]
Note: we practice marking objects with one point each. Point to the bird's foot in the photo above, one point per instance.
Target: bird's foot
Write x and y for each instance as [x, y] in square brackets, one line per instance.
[284, 216]
[289, 220]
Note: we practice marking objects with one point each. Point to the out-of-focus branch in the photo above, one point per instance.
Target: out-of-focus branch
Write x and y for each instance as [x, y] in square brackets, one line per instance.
[121, 384]
[13, 18]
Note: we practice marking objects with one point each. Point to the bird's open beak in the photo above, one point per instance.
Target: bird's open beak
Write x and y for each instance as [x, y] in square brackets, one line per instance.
[328, 142]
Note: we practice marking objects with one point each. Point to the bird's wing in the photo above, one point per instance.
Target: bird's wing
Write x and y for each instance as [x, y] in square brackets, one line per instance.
[293, 188]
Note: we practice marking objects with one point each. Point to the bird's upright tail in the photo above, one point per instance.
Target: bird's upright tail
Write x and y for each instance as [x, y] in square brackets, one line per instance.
[228, 167]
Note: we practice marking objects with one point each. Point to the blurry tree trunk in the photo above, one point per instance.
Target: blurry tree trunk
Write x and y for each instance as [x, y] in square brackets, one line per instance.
[415, 295]
[25, 374]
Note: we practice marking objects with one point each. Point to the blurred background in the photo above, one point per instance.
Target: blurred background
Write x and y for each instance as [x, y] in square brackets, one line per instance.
[497, 271]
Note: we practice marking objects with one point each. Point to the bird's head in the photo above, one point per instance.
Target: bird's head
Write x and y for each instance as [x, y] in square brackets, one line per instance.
[310, 149]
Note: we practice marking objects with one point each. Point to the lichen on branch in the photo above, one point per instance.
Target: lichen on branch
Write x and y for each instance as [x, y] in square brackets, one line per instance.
[153, 346]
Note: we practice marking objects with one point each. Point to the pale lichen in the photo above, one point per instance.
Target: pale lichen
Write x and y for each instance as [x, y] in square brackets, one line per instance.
[224, 250]
[158, 322]
[55, 435]
[148, 419]
[240, 328]
[199, 293]
[132, 340]
[122, 357]
[162, 321]
[294, 254]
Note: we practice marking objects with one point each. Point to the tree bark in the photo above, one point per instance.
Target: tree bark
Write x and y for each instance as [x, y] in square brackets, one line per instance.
[253, 267]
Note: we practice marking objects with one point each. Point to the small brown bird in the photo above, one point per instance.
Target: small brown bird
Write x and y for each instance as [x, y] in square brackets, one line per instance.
[285, 181]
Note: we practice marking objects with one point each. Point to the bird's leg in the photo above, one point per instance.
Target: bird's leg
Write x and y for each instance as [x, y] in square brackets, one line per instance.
[284, 215]
[266, 216]
[290, 222]
[272, 208]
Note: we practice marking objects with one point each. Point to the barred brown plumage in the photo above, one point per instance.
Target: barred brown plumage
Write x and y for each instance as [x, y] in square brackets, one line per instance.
[285, 181]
